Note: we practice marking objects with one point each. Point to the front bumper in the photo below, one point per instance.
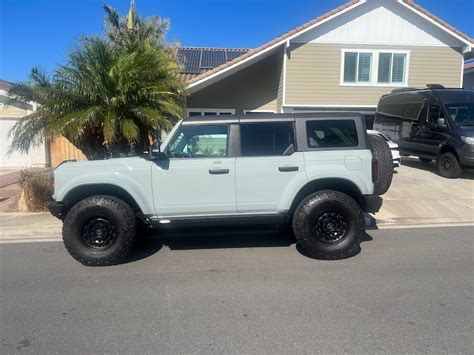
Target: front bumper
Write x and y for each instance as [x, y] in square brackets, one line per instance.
[57, 209]
[466, 155]
[371, 203]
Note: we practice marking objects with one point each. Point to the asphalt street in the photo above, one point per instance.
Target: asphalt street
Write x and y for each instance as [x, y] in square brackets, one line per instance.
[409, 290]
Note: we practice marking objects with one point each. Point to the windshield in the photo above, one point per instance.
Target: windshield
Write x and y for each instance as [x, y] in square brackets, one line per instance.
[461, 114]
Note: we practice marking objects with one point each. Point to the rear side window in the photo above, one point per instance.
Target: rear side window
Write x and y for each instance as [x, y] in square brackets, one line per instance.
[264, 139]
[332, 133]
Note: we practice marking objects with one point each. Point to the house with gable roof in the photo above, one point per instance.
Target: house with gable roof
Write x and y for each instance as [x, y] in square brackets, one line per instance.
[342, 60]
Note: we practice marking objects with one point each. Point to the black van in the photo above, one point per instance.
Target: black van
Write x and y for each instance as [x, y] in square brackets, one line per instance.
[433, 124]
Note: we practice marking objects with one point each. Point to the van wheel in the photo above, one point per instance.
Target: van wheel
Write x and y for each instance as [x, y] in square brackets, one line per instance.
[448, 166]
[425, 160]
[328, 225]
[99, 230]
[381, 152]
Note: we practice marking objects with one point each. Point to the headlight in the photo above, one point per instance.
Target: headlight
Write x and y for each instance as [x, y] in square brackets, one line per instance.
[468, 140]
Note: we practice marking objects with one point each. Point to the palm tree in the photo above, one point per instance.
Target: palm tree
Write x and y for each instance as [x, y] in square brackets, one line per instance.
[105, 99]
[131, 31]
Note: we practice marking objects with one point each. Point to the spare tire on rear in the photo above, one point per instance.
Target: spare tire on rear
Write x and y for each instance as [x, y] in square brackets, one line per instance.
[381, 152]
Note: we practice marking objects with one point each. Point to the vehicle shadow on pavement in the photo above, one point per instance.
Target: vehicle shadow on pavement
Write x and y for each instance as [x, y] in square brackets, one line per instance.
[432, 167]
[215, 238]
[227, 237]
[142, 249]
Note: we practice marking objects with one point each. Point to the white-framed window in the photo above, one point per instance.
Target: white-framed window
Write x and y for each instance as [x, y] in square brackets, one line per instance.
[190, 112]
[369, 67]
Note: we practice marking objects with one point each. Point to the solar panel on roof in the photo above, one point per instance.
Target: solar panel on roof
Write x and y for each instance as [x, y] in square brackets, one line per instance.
[232, 54]
[193, 60]
[212, 58]
[190, 60]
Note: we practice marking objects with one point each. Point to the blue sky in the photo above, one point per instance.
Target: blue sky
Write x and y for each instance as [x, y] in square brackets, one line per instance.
[40, 32]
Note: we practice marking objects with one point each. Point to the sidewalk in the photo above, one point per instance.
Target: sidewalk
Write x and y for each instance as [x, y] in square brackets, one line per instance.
[25, 227]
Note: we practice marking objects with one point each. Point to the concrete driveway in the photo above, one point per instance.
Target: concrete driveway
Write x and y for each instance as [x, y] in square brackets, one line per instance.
[418, 195]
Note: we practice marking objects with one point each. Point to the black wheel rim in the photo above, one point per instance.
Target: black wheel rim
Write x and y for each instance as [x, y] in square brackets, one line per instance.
[98, 234]
[446, 164]
[330, 227]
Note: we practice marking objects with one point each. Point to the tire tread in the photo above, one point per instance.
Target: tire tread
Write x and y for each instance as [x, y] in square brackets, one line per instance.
[128, 232]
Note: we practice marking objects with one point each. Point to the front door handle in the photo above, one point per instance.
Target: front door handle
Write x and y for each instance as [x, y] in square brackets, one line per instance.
[218, 171]
[287, 168]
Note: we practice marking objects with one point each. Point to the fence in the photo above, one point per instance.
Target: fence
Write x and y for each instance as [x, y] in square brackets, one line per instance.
[62, 149]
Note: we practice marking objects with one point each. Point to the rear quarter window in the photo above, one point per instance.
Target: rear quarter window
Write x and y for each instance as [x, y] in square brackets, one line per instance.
[331, 133]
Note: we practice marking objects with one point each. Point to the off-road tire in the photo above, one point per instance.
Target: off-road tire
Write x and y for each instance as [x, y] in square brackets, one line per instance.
[381, 152]
[448, 166]
[119, 215]
[425, 160]
[312, 209]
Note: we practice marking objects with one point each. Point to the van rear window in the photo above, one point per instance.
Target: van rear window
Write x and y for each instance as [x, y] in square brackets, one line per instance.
[410, 111]
[332, 133]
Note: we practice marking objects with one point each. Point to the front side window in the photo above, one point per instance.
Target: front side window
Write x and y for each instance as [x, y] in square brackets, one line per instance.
[266, 139]
[208, 141]
[434, 112]
[332, 133]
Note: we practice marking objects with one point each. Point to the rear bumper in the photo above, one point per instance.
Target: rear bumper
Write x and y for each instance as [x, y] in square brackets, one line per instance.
[371, 203]
[56, 209]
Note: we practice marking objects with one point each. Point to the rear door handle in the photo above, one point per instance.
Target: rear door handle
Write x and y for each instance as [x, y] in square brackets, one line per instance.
[287, 168]
[218, 171]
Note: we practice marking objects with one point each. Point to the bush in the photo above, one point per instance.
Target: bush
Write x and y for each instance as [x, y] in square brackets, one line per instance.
[35, 185]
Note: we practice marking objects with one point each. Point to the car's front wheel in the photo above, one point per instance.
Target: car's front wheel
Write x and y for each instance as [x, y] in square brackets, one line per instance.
[449, 166]
[99, 230]
[328, 225]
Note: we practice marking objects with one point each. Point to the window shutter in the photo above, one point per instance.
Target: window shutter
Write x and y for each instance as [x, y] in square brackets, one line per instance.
[398, 68]
[365, 60]
[384, 67]
[350, 63]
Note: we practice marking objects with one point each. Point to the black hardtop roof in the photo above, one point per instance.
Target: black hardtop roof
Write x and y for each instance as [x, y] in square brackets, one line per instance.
[274, 116]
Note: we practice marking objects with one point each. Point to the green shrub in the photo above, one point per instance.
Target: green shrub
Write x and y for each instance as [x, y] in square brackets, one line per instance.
[35, 184]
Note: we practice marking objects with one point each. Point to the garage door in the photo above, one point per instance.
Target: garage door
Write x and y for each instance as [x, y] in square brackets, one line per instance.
[36, 157]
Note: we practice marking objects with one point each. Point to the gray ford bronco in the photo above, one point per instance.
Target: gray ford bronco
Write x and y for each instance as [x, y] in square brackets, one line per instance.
[316, 172]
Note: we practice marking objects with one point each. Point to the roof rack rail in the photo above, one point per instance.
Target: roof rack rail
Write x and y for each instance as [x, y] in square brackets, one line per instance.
[399, 90]
[435, 86]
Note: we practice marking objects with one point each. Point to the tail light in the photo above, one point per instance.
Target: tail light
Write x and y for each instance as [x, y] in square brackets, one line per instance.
[375, 170]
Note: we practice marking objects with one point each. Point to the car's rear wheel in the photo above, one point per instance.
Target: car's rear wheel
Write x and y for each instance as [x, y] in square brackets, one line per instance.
[381, 152]
[448, 166]
[328, 225]
[425, 160]
[99, 230]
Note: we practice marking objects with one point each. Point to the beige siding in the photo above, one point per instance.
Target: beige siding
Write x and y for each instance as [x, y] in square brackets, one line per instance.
[253, 88]
[313, 73]
[281, 82]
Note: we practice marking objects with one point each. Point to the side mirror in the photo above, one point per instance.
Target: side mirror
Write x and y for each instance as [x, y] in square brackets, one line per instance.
[155, 149]
[441, 123]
